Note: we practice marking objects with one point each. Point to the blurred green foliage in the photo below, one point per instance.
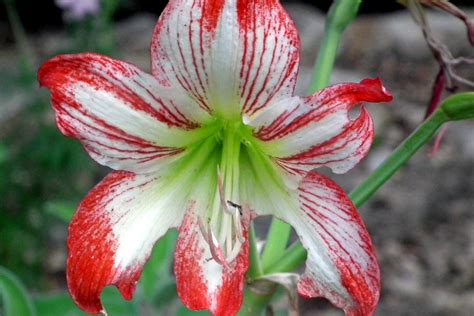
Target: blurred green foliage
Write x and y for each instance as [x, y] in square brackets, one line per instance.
[13, 295]
[37, 166]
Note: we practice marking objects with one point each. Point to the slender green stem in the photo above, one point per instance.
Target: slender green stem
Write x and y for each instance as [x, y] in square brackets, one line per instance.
[277, 241]
[340, 16]
[255, 268]
[290, 261]
[325, 61]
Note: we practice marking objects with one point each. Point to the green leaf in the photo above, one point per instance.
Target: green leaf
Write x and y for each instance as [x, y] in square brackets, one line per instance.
[13, 295]
[157, 274]
[116, 305]
[63, 210]
[3, 153]
[61, 304]
[183, 311]
[57, 304]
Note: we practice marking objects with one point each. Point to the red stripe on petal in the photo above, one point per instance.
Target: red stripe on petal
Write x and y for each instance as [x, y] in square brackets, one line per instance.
[211, 14]
[102, 73]
[191, 286]
[112, 107]
[254, 60]
[270, 53]
[306, 133]
[341, 152]
[348, 95]
[360, 290]
[194, 268]
[92, 246]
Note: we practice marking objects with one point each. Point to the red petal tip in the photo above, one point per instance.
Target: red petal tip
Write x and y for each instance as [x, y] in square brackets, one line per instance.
[382, 93]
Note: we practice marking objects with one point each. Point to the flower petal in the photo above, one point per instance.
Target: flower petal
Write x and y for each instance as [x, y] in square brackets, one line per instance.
[202, 283]
[306, 133]
[231, 56]
[341, 264]
[113, 232]
[124, 118]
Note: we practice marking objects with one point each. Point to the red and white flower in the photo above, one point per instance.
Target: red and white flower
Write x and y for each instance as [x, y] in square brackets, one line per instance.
[211, 139]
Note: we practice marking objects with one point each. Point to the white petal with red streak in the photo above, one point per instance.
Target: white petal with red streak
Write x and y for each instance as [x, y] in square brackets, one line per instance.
[202, 283]
[124, 118]
[230, 55]
[306, 133]
[113, 232]
[341, 264]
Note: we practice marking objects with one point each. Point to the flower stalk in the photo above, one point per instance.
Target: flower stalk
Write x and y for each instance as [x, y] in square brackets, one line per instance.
[340, 16]
[277, 241]
[255, 269]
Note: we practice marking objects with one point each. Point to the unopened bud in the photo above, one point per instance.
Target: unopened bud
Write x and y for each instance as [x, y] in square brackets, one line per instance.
[459, 106]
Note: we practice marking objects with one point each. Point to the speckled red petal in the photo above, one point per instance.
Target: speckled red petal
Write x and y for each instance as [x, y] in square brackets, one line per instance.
[231, 56]
[202, 283]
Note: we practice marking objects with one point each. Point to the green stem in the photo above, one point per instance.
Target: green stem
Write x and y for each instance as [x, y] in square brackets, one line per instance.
[340, 16]
[255, 268]
[277, 240]
[290, 261]
[325, 61]
[401, 155]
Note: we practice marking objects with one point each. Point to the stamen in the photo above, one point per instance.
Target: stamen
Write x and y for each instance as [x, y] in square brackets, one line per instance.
[238, 230]
[220, 185]
[202, 228]
[237, 214]
[208, 235]
[216, 251]
[234, 252]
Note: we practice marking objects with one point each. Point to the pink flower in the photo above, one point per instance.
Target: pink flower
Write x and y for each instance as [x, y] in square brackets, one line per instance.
[79, 9]
[211, 139]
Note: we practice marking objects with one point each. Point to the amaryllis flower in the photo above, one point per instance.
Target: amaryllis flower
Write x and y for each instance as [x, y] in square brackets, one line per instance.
[211, 139]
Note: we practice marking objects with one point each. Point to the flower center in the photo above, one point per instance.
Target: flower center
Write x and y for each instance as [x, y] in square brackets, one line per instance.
[238, 168]
[223, 226]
